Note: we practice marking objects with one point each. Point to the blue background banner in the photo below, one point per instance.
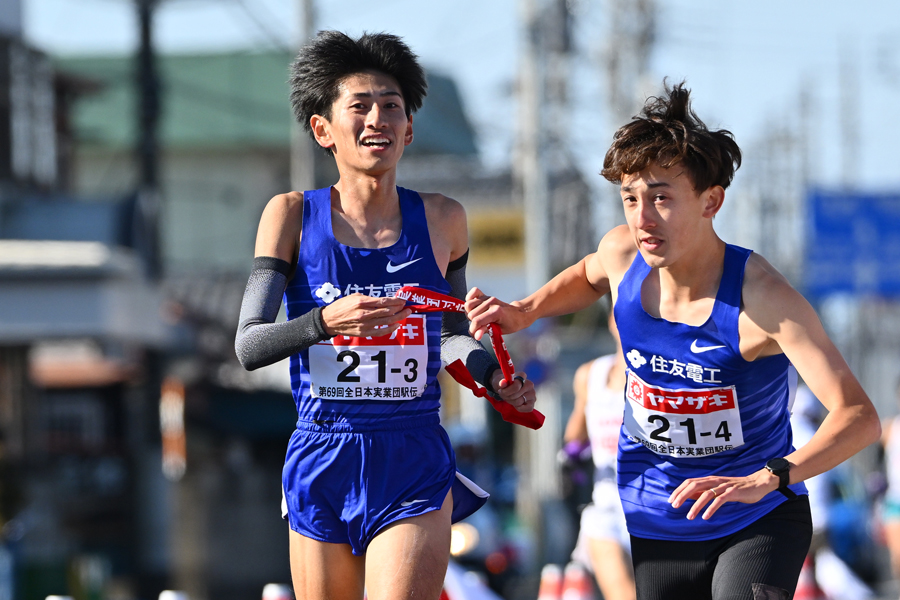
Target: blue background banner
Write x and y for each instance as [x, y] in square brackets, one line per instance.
[853, 244]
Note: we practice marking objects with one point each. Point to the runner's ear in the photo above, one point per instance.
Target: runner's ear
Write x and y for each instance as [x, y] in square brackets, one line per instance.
[713, 198]
[408, 138]
[321, 131]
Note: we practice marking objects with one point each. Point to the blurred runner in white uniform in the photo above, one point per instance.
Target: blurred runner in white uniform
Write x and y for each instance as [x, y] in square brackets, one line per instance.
[603, 543]
[890, 513]
[832, 575]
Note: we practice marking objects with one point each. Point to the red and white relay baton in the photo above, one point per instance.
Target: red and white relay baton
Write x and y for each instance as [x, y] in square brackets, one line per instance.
[422, 301]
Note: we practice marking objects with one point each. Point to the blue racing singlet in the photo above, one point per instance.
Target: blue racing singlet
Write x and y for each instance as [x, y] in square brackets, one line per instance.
[694, 407]
[362, 381]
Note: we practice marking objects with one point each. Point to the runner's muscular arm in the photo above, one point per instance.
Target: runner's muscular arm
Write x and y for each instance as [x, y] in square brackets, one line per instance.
[852, 422]
[775, 313]
[577, 287]
[450, 244]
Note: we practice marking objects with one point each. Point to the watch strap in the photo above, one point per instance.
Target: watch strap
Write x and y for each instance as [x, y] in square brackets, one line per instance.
[784, 479]
[788, 492]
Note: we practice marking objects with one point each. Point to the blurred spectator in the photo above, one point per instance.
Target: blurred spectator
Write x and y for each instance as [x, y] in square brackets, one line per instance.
[834, 579]
[890, 514]
[603, 544]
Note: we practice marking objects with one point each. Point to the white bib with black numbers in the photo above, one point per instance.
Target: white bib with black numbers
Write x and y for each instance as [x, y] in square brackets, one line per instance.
[682, 423]
[390, 367]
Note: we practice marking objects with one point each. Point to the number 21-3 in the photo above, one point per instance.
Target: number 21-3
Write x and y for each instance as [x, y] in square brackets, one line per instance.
[346, 376]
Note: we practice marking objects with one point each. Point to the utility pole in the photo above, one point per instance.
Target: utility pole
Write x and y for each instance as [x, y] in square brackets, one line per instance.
[147, 149]
[542, 150]
[572, 234]
[148, 98]
[532, 174]
[303, 149]
[630, 37]
[850, 146]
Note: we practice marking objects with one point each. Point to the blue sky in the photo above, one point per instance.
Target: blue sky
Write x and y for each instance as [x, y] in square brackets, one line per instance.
[746, 62]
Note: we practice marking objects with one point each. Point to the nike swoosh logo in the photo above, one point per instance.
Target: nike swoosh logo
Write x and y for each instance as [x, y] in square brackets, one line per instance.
[394, 268]
[411, 502]
[698, 349]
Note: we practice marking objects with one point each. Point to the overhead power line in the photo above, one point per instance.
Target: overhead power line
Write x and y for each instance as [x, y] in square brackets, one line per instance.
[273, 37]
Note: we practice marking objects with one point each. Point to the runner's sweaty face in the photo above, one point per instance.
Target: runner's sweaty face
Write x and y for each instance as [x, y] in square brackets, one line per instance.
[368, 128]
[666, 216]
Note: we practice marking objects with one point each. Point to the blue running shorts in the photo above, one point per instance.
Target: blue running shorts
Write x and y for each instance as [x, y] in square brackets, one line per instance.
[344, 483]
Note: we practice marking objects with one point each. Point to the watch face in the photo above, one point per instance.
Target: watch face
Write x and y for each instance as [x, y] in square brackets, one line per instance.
[778, 465]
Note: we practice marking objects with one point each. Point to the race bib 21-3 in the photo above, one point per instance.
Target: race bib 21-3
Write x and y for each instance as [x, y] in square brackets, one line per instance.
[391, 367]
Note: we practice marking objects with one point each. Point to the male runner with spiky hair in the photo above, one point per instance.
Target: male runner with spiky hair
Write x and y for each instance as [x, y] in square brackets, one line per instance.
[370, 482]
[711, 335]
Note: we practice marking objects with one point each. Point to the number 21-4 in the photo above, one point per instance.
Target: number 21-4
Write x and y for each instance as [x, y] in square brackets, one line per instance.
[662, 426]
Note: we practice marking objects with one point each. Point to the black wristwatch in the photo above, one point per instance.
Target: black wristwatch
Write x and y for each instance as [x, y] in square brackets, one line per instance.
[782, 468]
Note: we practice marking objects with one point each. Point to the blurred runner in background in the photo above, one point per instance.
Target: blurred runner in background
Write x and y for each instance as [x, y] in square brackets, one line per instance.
[603, 545]
[825, 575]
[890, 513]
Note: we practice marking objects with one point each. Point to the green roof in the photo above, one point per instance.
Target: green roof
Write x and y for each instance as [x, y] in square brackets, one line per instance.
[232, 100]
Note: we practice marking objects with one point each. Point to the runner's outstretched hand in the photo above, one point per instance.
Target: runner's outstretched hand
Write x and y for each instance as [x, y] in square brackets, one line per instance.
[483, 310]
[364, 316]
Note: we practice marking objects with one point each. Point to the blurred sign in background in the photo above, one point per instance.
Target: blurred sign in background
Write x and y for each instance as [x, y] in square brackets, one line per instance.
[854, 244]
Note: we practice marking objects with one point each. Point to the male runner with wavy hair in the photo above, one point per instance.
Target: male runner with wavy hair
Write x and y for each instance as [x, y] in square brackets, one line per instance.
[370, 482]
[713, 338]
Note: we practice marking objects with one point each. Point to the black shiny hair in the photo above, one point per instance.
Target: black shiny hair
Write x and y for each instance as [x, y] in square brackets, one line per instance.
[330, 57]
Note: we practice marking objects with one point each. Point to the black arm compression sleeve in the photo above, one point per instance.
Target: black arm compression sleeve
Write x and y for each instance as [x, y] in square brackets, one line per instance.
[260, 341]
[456, 343]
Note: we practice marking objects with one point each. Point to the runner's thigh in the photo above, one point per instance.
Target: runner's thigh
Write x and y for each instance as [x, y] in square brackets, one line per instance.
[666, 570]
[324, 571]
[764, 560]
[408, 558]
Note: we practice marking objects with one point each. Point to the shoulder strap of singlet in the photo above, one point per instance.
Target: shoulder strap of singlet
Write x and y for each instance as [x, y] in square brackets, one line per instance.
[733, 275]
[630, 286]
[317, 213]
[728, 299]
[415, 225]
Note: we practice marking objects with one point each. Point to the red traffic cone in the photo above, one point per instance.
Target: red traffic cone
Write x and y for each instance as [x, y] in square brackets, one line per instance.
[577, 584]
[551, 583]
[807, 588]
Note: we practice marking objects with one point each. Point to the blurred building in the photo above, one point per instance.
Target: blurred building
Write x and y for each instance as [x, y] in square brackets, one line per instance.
[225, 137]
[81, 327]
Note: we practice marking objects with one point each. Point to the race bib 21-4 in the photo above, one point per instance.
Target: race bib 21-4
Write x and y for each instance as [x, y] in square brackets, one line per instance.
[682, 423]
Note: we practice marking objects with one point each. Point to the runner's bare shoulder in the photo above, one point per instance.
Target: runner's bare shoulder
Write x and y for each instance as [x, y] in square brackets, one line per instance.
[617, 250]
[768, 300]
[446, 224]
[443, 209]
[763, 283]
[280, 227]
